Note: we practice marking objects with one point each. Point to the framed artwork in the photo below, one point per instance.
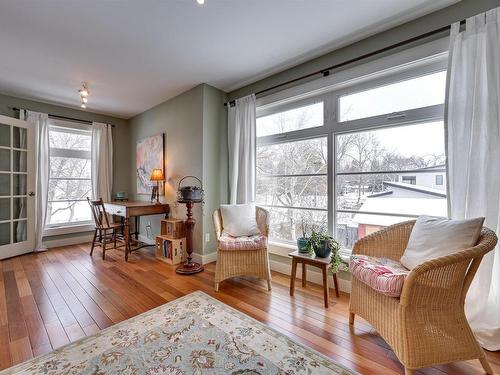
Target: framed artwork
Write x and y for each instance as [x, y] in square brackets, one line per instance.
[149, 155]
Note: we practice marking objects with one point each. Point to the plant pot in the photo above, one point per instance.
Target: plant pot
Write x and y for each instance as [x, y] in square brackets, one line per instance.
[303, 245]
[323, 250]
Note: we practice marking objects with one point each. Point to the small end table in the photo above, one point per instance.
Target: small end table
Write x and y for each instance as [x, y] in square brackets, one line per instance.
[314, 261]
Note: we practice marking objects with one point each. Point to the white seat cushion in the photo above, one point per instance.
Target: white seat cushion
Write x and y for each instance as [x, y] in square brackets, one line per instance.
[434, 237]
[239, 219]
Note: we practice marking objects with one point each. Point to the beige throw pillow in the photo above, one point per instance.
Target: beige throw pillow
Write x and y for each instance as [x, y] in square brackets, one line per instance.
[434, 237]
[239, 219]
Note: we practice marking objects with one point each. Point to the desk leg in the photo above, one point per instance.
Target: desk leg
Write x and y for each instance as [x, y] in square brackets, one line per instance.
[336, 283]
[304, 275]
[294, 275]
[137, 224]
[325, 285]
[126, 229]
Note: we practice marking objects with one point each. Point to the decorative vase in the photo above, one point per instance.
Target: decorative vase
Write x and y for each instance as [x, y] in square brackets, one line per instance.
[303, 245]
[323, 250]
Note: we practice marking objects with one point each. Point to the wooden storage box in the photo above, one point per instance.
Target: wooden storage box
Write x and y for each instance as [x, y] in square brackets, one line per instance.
[173, 228]
[170, 250]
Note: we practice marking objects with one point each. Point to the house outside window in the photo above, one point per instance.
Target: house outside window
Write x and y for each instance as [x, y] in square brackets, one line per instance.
[70, 177]
[354, 160]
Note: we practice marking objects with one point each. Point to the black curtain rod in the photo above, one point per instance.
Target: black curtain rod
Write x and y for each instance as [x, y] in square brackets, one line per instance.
[66, 118]
[326, 71]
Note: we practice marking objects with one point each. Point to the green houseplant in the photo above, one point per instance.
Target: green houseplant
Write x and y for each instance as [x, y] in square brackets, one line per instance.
[325, 245]
[304, 243]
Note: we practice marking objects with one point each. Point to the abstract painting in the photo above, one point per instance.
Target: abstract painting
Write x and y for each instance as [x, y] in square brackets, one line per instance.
[149, 156]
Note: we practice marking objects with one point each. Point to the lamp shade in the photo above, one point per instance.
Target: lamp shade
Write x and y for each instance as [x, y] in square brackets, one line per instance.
[157, 175]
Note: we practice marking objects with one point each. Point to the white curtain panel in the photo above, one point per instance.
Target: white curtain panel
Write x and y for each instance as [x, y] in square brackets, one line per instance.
[102, 161]
[241, 146]
[40, 122]
[474, 155]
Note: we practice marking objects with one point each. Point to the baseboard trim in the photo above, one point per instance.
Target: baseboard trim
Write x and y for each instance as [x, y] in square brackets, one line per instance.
[76, 240]
[206, 258]
[312, 275]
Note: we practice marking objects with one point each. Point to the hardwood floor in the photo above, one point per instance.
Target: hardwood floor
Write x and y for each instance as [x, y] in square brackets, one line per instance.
[50, 299]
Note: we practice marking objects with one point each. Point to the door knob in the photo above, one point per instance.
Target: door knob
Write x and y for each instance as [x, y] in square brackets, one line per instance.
[31, 194]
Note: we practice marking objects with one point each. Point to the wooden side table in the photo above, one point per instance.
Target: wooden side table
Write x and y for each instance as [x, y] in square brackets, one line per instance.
[315, 261]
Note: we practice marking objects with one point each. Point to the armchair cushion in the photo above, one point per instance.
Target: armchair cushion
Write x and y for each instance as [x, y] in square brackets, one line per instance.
[239, 219]
[434, 237]
[384, 275]
[253, 242]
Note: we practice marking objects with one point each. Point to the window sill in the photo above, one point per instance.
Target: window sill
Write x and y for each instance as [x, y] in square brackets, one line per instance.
[68, 229]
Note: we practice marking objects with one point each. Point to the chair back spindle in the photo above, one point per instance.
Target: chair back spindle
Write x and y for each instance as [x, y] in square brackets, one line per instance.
[99, 213]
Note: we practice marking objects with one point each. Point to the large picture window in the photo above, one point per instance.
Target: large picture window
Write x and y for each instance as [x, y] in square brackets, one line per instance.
[386, 176]
[292, 183]
[353, 161]
[70, 179]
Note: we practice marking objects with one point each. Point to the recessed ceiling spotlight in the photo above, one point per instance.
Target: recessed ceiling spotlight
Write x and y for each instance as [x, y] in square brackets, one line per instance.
[83, 105]
[84, 91]
[201, 2]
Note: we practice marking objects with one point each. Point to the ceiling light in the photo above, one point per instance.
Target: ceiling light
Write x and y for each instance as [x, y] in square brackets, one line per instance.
[83, 105]
[85, 100]
[84, 91]
[201, 2]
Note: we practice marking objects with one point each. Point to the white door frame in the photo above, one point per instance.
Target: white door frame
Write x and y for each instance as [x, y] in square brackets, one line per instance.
[13, 249]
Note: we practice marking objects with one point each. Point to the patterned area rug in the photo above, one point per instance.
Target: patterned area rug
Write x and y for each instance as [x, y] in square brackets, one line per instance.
[195, 334]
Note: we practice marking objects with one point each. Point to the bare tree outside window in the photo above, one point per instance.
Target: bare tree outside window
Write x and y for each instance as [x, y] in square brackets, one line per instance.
[70, 176]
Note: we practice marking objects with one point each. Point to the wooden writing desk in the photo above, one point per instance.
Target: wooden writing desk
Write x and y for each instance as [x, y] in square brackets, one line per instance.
[126, 210]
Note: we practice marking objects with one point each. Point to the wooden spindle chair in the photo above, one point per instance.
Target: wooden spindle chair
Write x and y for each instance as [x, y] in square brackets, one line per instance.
[104, 229]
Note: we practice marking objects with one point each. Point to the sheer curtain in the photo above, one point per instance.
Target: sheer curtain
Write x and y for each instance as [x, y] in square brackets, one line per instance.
[241, 146]
[474, 155]
[40, 122]
[102, 161]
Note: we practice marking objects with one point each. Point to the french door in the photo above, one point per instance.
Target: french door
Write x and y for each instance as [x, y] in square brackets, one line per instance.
[17, 183]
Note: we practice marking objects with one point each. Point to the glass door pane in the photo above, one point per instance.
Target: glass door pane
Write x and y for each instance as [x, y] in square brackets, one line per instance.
[13, 185]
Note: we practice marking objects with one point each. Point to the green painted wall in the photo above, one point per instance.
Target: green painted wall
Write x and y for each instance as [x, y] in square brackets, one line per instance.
[181, 120]
[121, 155]
[214, 160]
[193, 123]
[433, 21]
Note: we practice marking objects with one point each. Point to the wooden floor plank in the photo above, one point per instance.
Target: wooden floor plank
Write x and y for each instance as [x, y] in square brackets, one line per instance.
[59, 306]
[5, 358]
[55, 331]
[48, 300]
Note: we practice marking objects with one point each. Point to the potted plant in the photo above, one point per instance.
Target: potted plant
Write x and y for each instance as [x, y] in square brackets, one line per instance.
[304, 243]
[323, 245]
[336, 263]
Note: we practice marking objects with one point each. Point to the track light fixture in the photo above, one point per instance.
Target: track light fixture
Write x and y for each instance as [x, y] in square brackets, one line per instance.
[84, 95]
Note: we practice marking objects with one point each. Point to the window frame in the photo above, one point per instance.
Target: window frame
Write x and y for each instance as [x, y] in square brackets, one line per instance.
[332, 126]
[413, 180]
[69, 227]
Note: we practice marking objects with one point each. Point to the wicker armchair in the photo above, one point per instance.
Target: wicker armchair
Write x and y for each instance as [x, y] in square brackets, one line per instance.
[231, 263]
[426, 326]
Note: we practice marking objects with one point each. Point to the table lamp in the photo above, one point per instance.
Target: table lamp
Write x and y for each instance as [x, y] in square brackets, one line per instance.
[156, 175]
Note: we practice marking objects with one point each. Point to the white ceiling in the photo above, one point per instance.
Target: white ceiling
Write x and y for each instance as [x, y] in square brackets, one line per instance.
[138, 53]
